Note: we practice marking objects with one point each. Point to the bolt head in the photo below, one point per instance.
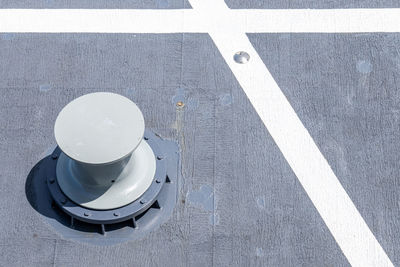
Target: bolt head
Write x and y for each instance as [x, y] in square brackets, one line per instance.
[54, 156]
[142, 201]
[241, 57]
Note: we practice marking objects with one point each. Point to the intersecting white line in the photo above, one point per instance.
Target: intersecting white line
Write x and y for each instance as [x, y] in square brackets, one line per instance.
[189, 20]
[227, 29]
[297, 146]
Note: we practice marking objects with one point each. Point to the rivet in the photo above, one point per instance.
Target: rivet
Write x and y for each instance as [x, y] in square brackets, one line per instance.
[63, 201]
[241, 57]
[54, 156]
[158, 181]
[159, 157]
[142, 201]
[86, 214]
[116, 214]
[52, 180]
[146, 138]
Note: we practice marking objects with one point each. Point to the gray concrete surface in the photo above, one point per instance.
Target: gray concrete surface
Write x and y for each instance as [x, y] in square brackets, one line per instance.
[240, 203]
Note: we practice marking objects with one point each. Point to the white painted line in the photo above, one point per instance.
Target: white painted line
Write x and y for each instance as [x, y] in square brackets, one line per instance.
[189, 20]
[99, 20]
[321, 20]
[311, 168]
[342, 218]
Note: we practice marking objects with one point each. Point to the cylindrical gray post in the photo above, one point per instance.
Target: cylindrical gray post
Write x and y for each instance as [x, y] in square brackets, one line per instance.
[105, 162]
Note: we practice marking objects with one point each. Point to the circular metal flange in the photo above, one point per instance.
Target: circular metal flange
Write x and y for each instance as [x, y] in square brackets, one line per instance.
[112, 215]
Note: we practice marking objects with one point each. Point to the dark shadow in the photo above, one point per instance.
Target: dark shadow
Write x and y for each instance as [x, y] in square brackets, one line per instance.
[39, 197]
[38, 194]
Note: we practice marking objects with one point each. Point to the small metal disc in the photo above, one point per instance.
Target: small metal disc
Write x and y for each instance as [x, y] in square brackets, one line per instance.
[241, 57]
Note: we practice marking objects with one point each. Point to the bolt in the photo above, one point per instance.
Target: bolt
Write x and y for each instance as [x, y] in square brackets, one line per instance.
[63, 201]
[54, 156]
[158, 181]
[180, 104]
[146, 138]
[86, 214]
[116, 214]
[241, 57]
[142, 201]
[159, 157]
[52, 180]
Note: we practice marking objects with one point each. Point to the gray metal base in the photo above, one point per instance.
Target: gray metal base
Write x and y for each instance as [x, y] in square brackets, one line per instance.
[107, 226]
[113, 215]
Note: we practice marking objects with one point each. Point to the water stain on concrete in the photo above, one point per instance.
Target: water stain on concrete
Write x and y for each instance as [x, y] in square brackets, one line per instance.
[260, 202]
[225, 99]
[364, 66]
[203, 198]
[130, 92]
[214, 219]
[44, 87]
[259, 252]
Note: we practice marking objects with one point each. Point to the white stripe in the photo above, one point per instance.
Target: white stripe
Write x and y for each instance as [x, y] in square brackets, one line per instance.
[188, 20]
[337, 210]
[314, 173]
[99, 20]
[321, 20]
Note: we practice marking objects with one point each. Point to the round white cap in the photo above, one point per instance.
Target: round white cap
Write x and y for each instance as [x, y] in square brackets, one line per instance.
[99, 128]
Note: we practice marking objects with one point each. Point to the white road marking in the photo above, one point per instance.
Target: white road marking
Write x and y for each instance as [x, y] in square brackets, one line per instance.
[92, 20]
[189, 20]
[227, 28]
[311, 168]
[342, 218]
[321, 20]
